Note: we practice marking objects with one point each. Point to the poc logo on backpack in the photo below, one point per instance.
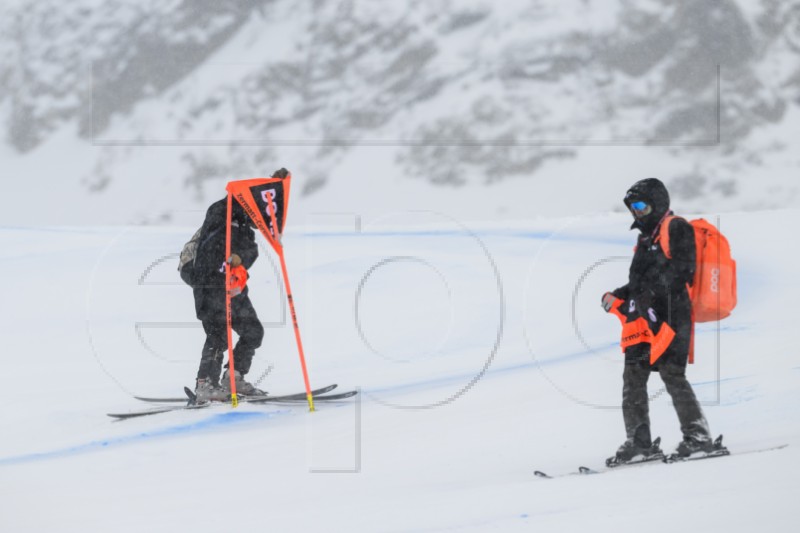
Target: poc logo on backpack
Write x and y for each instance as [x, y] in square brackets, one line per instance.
[714, 280]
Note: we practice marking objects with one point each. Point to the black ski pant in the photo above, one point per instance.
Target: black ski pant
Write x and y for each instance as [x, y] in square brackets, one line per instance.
[635, 407]
[245, 323]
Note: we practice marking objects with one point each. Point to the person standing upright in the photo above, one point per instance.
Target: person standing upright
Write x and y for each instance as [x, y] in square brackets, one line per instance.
[656, 312]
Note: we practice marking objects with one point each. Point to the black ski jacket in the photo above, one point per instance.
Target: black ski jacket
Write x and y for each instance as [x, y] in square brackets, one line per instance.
[655, 281]
[657, 288]
[209, 264]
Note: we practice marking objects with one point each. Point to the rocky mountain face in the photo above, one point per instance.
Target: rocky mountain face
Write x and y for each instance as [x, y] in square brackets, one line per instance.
[465, 91]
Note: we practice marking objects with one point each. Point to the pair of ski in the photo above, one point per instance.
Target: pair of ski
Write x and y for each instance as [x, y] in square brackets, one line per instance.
[190, 401]
[657, 457]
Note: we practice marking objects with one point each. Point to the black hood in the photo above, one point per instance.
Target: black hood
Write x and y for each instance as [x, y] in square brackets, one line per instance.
[653, 192]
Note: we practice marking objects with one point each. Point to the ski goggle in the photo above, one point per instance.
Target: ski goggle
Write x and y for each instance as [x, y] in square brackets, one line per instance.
[641, 209]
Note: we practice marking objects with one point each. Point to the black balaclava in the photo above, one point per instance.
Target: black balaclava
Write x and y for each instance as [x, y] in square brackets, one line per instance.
[239, 215]
[653, 192]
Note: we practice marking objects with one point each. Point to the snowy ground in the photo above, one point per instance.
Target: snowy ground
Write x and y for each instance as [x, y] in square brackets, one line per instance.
[481, 351]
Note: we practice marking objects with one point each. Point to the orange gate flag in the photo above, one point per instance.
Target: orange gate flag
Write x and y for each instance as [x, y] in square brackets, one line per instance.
[266, 201]
[258, 197]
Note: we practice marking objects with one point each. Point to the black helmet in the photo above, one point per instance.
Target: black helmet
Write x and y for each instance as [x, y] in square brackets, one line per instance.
[653, 193]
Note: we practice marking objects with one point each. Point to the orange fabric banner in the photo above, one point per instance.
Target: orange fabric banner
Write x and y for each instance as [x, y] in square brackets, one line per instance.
[638, 331]
[258, 196]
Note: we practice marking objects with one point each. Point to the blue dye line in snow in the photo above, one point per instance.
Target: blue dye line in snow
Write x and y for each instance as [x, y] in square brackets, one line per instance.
[492, 372]
[535, 363]
[215, 421]
[718, 381]
[233, 417]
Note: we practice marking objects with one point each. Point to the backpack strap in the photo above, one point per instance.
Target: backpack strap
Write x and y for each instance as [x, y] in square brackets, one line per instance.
[663, 235]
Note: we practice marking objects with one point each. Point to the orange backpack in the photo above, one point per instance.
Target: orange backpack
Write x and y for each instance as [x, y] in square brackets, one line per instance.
[713, 293]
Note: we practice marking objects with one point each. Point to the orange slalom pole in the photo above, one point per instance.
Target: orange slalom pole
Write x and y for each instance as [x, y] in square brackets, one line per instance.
[279, 250]
[228, 313]
[296, 330]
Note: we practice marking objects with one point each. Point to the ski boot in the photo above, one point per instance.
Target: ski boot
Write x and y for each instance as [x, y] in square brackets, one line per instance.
[692, 447]
[243, 387]
[207, 390]
[632, 452]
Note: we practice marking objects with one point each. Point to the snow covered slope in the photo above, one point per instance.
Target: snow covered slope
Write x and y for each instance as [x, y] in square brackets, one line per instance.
[481, 352]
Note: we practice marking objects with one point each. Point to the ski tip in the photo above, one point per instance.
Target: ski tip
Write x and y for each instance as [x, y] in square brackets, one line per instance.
[191, 396]
[334, 397]
[539, 473]
[150, 399]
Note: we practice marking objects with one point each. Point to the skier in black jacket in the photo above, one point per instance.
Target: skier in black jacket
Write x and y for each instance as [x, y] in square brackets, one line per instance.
[656, 312]
[209, 298]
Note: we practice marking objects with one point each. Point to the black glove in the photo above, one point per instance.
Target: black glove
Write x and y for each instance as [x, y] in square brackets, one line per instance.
[281, 173]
